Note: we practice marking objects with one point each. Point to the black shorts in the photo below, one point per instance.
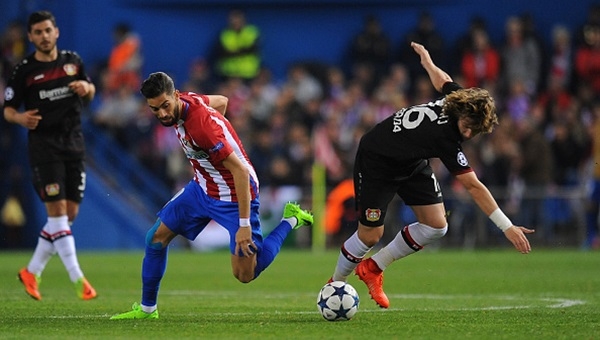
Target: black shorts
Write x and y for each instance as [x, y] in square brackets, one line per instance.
[415, 184]
[59, 180]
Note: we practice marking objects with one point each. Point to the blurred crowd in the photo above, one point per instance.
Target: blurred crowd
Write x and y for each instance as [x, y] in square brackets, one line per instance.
[547, 94]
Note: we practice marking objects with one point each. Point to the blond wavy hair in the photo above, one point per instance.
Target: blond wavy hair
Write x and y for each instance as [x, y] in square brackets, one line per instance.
[474, 104]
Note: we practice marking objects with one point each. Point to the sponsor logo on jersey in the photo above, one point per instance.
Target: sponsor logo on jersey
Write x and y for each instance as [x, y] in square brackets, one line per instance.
[9, 93]
[462, 159]
[70, 69]
[55, 94]
[52, 189]
[196, 154]
[373, 214]
[38, 77]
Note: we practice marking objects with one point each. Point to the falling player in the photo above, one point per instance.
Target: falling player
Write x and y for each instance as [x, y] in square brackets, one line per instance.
[392, 158]
[224, 189]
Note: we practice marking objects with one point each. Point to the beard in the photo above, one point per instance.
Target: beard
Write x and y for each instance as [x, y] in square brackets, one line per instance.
[45, 46]
[171, 120]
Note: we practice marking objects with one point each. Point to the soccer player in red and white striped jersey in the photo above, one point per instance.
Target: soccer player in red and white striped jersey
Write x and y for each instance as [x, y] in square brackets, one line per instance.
[225, 189]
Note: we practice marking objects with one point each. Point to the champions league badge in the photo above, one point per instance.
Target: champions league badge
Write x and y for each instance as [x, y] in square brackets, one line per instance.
[462, 159]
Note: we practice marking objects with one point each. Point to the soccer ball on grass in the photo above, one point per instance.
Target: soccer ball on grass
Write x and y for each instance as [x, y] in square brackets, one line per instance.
[337, 301]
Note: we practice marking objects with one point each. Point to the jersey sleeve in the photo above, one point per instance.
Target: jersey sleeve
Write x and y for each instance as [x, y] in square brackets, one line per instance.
[450, 87]
[455, 159]
[13, 93]
[82, 75]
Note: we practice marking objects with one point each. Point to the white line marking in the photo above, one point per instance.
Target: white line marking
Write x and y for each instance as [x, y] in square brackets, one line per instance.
[527, 303]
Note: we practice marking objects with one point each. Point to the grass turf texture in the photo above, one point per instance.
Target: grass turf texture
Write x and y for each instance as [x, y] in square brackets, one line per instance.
[548, 294]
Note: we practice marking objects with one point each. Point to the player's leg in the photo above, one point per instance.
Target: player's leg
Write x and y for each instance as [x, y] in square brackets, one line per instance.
[372, 196]
[430, 227]
[294, 217]
[423, 194]
[154, 266]
[183, 215]
[73, 181]
[47, 185]
[247, 268]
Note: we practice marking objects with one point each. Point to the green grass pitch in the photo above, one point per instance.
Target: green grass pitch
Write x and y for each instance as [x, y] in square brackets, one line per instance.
[444, 294]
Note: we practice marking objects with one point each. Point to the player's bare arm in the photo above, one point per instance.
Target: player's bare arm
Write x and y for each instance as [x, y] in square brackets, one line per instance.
[437, 76]
[29, 119]
[241, 180]
[486, 202]
[218, 103]
[83, 89]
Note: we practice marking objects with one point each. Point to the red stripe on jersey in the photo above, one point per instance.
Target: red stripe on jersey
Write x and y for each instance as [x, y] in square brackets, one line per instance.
[50, 74]
[462, 172]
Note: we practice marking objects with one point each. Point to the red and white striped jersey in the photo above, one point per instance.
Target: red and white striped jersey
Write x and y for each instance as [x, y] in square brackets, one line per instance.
[207, 138]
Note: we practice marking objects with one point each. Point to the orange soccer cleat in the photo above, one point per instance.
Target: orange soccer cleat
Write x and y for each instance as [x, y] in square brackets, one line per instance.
[30, 281]
[372, 276]
[84, 289]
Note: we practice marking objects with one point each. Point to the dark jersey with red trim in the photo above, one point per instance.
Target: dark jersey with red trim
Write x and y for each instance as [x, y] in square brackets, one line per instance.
[45, 86]
[415, 133]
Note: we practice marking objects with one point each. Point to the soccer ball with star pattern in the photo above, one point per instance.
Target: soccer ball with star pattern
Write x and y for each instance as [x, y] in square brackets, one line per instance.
[337, 301]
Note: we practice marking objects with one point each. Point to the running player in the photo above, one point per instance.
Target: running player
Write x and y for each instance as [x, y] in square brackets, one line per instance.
[52, 86]
[224, 189]
[392, 158]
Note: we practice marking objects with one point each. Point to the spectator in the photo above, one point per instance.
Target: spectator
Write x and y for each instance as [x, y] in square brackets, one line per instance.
[535, 168]
[551, 104]
[13, 47]
[560, 66]
[125, 60]
[480, 64]
[238, 48]
[424, 33]
[199, 77]
[304, 85]
[372, 47]
[465, 41]
[518, 101]
[587, 58]
[592, 19]
[520, 58]
[117, 111]
[263, 95]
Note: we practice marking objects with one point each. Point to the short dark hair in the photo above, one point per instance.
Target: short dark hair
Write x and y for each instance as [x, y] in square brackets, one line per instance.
[39, 16]
[157, 84]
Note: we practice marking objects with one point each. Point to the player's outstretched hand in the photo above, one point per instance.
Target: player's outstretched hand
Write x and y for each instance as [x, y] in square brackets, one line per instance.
[516, 235]
[422, 52]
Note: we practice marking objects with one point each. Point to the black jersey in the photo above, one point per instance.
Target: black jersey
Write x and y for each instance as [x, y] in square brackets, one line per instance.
[44, 86]
[400, 142]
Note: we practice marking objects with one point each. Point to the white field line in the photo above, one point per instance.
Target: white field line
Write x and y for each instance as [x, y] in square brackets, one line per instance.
[516, 302]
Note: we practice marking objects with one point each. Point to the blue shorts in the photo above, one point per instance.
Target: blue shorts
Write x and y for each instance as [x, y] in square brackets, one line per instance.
[190, 210]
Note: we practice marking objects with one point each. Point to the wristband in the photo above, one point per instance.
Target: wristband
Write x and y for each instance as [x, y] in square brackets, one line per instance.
[501, 220]
[244, 222]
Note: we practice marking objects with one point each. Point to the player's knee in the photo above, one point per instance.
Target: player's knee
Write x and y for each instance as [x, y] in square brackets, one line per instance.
[439, 232]
[150, 237]
[243, 277]
[431, 233]
[370, 236]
